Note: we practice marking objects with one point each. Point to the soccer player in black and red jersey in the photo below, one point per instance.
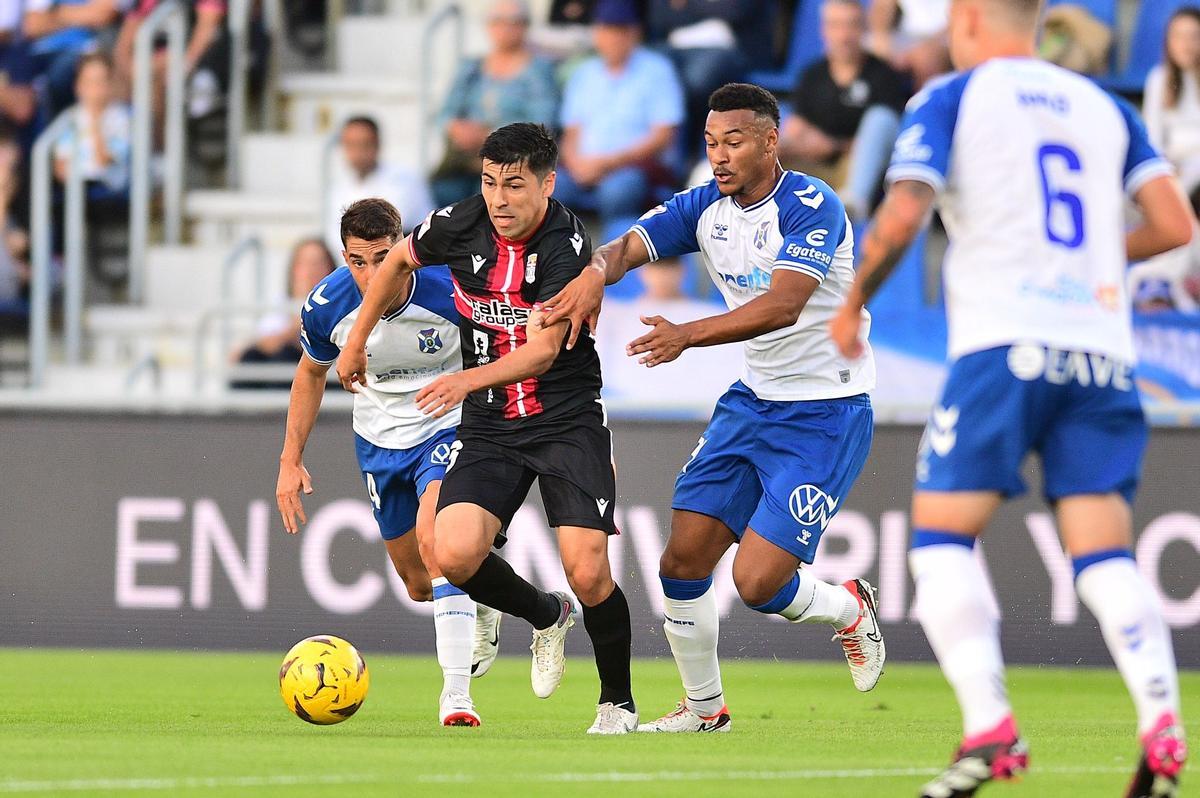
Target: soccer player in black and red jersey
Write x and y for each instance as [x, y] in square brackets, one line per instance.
[531, 409]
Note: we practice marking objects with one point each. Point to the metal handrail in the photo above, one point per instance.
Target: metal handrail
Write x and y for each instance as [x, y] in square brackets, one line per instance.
[149, 364]
[41, 244]
[272, 11]
[74, 246]
[450, 11]
[250, 245]
[169, 17]
[204, 326]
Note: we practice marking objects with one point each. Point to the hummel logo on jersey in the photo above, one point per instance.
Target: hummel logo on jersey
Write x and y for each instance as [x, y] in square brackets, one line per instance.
[812, 506]
[810, 197]
[577, 243]
[477, 262]
[942, 435]
[720, 232]
[601, 505]
[316, 298]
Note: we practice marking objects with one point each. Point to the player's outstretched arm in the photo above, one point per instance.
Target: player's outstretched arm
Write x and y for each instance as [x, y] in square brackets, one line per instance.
[776, 308]
[386, 283]
[579, 301]
[308, 388]
[532, 359]
[904, 213]
[1167, 220]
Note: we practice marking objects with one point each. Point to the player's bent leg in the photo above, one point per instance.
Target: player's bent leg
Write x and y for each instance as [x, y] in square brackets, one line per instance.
[961, 621]
[606, 618]
[1097, 533]
[404, 553]
[453, 623]
[771, 581]
[692, 623]
[463, 535]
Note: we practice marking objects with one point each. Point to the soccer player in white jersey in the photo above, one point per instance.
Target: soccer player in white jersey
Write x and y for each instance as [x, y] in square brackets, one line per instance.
[402, 453]
[786, 441]
[1030, 165]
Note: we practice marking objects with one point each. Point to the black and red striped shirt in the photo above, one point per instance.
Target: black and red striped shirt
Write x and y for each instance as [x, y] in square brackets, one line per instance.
[497, 281]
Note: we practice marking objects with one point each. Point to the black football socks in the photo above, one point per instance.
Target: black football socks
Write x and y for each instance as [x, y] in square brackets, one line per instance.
[608, 626]
[498, 586]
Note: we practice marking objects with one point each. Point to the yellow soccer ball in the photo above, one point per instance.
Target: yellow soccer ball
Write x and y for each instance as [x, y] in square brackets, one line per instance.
[323, 680]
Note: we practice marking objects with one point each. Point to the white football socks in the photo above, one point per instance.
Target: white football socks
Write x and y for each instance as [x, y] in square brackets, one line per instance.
[1136, 634]
[821, 602]
[963, 630]
[454, 628]
[692, 627]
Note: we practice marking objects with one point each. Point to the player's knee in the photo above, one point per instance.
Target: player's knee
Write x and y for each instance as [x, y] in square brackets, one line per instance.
[675, 564]
[590, 580]
[419, 589]
[457, 563]
[753, 588]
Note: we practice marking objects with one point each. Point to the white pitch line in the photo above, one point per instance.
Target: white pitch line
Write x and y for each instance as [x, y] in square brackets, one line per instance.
[182, 783]
[218, 782]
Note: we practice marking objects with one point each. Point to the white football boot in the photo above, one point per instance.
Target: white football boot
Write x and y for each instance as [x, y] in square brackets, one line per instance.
[457, 709]
[549, 662]
[487, 639]
[862, 641]
[684, 719]
[612, 719]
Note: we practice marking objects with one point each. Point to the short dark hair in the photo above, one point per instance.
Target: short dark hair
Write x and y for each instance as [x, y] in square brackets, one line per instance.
[522, 143]
[365, 121]
[370, 219]
[745, 97]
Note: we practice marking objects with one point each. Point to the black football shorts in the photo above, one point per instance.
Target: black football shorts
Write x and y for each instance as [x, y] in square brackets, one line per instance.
[572, 464]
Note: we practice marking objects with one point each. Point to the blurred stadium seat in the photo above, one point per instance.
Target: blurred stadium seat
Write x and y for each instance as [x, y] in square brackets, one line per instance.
[804, 47]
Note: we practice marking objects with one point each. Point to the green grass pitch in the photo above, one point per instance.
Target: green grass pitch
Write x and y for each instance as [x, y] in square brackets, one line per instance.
[182, 723]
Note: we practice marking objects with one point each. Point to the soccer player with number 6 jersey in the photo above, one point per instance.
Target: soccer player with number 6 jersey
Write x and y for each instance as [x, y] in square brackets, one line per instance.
[1031, 166]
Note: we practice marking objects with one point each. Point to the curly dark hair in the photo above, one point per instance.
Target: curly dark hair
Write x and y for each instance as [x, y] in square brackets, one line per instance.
[745, 97]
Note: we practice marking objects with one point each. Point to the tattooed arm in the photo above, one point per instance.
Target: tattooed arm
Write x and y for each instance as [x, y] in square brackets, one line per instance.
[905, 211]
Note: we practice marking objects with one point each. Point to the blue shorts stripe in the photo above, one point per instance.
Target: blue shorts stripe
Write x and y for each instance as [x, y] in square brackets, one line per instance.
[1080, 564]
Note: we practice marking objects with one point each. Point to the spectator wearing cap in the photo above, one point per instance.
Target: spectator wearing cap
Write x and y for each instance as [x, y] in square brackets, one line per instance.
[621, 113]
[711, 43]
[847, 110]
[509, 84]
[362, 174]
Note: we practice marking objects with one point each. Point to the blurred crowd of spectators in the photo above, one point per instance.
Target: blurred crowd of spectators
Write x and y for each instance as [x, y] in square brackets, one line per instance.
[79, 54]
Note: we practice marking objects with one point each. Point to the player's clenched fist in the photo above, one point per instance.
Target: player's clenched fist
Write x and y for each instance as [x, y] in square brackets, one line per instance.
[844, 329]
[352, 367]
[293, 478]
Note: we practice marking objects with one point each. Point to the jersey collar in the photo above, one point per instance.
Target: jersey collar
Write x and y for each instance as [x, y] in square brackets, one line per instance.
[765, 199]
[412, 292]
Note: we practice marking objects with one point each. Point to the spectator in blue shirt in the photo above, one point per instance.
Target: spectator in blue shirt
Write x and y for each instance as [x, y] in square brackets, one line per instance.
[621, 112]
[509, 84]
[59, 32]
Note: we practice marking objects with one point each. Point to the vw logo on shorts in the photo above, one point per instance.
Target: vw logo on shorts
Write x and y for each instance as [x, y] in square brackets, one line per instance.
[811, 506]
[440, 454]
